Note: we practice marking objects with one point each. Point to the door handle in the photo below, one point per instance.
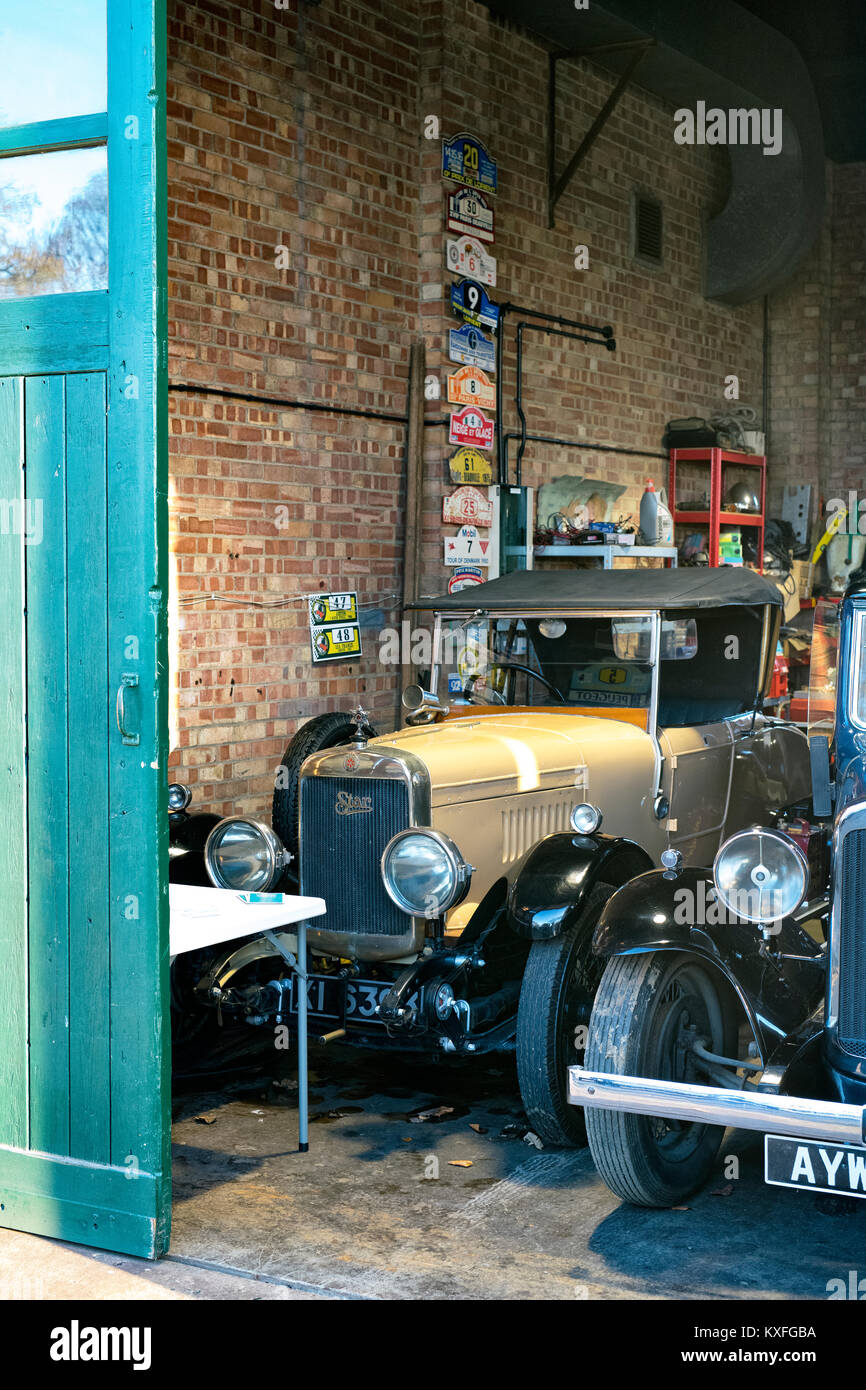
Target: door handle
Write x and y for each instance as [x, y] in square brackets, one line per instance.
[127, 682]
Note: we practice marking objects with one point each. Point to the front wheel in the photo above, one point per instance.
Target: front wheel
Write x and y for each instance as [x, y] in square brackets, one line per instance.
[648, 1011]
[559, 981]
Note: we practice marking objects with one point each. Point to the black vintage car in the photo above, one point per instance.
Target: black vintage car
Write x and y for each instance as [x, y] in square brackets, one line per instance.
[720, 1002]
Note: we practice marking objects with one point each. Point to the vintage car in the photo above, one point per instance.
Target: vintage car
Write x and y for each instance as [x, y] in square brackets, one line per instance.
[462, 857]
[753, 1019]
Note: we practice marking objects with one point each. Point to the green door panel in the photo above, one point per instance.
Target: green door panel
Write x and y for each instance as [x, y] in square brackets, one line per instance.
[88, 711]
[13, 788]
[84, 1031]
[48, 789]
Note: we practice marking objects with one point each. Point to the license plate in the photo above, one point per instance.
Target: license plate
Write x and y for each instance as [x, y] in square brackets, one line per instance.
[324, 997]
[838, 1168]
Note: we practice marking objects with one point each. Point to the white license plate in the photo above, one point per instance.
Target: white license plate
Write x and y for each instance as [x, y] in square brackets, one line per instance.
[836, 1168]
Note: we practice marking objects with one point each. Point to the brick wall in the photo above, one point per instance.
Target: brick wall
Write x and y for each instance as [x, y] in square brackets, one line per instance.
[847, 393]
[295, 130]
[303, 128]
[674, 347]
[817, 355]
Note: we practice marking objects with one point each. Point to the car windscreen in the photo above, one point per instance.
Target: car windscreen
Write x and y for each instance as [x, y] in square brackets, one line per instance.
[598, 661]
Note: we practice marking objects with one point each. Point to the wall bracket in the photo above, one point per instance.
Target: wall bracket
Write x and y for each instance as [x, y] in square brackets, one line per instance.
[557, 186]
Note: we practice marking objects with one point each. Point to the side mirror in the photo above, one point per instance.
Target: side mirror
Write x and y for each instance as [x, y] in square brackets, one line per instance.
[822, 789]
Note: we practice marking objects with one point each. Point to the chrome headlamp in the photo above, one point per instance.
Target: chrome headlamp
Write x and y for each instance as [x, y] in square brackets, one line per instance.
[179, 797]
[424, 872]
[244, 854]
[585, 818]
[761, 875]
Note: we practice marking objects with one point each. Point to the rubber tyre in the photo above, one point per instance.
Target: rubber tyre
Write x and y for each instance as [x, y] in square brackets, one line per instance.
[322, 731]
[559, 981]
[640, 1002]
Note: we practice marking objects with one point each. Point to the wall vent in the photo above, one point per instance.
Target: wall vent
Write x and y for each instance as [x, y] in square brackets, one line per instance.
[648, 230]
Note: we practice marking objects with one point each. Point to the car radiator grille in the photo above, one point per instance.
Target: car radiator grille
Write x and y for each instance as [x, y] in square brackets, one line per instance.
[852, 943]
[340, 854]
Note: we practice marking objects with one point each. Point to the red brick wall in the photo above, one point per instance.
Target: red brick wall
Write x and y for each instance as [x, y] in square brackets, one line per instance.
[304, 128]
[292, 128]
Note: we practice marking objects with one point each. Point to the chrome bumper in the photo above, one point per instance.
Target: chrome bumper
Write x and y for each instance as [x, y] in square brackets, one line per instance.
[796, 1115]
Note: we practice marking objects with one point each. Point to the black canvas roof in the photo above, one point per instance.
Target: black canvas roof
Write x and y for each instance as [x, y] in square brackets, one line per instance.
[531, 590]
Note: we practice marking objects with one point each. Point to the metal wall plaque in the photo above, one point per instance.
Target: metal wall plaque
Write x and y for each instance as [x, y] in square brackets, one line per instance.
[465, 160]
[467, 256]
[470, 426]
[467, 210]
[471, 386]
[467, 506]
[470, 466]
[470, 301]
[469, 345]
[463, 578]
[335, 633]
[467, 548]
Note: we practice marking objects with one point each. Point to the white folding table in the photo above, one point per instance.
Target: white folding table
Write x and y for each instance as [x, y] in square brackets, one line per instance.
[202, 917]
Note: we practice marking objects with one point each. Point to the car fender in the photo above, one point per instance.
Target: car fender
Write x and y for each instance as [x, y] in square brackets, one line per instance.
[551, 883]
[678, 911]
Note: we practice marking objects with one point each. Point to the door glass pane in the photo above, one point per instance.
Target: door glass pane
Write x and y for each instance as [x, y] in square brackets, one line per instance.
[53, 223]
[822, 669]
[53, 58]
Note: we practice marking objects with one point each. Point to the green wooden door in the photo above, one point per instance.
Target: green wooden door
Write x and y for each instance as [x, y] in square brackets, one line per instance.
[84, 1033]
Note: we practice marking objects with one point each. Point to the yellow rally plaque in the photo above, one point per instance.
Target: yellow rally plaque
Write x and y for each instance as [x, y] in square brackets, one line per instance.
[333, 608]
[335, 632]
[470, 466]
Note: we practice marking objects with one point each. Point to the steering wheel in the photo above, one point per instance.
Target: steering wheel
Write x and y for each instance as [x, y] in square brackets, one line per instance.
[469, 692]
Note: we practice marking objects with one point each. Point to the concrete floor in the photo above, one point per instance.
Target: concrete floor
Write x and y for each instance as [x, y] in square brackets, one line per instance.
[377, 1208]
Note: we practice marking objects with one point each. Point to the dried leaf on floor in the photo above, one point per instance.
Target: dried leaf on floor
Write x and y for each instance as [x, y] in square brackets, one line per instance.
[434, 1114]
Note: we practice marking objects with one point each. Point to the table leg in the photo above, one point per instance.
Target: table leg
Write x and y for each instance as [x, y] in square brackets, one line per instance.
[300, 968]
[303, 1087]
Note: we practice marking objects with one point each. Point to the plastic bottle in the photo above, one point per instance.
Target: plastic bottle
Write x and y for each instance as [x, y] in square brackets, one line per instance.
[665, 521]
[656, 522]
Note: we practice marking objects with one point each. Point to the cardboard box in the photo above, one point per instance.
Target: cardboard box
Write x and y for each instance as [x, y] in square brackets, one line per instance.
[795, 648]
[790, 597]
[802, 572]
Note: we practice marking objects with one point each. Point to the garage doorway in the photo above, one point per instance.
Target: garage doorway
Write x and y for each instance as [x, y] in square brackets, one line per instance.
[84, 1040]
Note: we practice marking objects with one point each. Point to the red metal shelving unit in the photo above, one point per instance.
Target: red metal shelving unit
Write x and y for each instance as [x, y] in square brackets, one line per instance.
[716, 518]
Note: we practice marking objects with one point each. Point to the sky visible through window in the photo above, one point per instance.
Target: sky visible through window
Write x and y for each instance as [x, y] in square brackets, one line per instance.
[53, 214]
[52, 59]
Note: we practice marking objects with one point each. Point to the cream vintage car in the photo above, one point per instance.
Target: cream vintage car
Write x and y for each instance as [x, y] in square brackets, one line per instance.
[573, 726]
